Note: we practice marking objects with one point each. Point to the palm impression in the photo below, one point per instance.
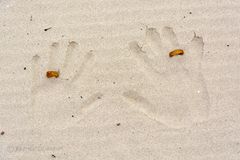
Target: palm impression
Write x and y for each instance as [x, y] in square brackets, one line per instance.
[57, 91]
[179, 97]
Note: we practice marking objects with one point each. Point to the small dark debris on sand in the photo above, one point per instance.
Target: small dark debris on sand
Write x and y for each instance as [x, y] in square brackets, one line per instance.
[118, 124]
[46, 29]
[53, 156]
[2, 133]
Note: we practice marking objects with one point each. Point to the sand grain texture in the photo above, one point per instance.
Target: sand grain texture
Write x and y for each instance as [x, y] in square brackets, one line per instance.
[102, 84]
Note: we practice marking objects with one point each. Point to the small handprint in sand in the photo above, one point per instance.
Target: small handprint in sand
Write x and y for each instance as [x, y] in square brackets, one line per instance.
[59, 97]
[179, 97]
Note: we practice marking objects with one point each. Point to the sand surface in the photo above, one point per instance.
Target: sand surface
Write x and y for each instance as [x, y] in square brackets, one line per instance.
[119, 95]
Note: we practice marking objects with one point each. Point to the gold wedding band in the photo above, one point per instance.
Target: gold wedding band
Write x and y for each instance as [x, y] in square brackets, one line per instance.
[176, 52]
[51, 74]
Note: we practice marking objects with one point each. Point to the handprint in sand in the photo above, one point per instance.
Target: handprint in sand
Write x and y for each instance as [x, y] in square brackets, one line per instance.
[179, 97]
[58, 94]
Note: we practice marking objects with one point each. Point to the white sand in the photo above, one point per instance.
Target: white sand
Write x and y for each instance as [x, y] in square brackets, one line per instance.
[107, 104]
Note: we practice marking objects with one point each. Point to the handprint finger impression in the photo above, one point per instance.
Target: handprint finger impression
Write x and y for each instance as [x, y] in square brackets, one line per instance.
[180, 97]
[55, 97]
